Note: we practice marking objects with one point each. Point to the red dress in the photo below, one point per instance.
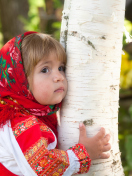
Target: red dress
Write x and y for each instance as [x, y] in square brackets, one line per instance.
[38, 145]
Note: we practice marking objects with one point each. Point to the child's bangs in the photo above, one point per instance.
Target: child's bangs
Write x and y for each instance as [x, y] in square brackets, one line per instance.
[50, 45]
[36, 47]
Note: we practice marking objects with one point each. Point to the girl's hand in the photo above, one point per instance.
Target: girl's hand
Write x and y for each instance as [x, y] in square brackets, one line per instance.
[96, 145]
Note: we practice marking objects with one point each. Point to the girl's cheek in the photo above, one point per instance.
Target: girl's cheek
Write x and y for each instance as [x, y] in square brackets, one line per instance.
[45, 92]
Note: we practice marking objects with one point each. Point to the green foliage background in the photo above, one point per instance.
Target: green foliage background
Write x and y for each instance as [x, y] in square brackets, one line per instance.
[125, 110]
[32, 23]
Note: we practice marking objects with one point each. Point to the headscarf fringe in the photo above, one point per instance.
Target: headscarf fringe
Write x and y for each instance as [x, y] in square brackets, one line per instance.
[8, 112]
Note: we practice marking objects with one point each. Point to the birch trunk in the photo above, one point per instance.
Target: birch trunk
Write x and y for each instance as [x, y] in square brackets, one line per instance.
[92, 32]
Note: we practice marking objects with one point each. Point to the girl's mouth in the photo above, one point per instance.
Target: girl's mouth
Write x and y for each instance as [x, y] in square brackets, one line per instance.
[61, 89]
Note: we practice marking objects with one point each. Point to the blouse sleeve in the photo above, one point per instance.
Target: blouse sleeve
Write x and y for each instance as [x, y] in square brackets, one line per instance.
[38, 145]
[80, 161]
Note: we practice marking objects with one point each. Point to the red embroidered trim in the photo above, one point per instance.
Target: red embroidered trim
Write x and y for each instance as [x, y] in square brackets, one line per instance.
[24, 125]
[44, 162]
[83, 157]
[31, 153]
[21, 127]
[45, 128]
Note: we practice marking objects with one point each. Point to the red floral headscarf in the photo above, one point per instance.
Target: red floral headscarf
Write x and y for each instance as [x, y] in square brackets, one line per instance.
[14, 85]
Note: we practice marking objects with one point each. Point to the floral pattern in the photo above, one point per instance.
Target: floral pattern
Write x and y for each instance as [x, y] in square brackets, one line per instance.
[51, 163]
[83, 156]
[30, 153]
[5, 72]
[44, 128]
[44, 161]
[27, 124]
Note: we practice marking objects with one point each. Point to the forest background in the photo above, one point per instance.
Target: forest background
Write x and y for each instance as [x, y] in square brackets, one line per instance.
[44, 16]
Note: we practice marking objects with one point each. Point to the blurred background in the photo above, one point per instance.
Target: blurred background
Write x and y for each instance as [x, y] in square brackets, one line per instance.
[18, 16]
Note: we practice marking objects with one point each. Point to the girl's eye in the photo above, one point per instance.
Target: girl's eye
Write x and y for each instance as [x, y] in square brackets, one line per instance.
[45, 70]
[62, 68]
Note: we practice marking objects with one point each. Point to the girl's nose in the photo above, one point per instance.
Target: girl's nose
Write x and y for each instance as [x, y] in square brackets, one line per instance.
[58, 77]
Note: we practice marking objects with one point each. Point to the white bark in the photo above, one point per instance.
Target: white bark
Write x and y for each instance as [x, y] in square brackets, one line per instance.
[92, 34]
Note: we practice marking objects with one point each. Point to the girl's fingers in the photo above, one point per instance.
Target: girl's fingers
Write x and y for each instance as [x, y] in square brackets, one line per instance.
[104, 156]
[107, 147]
[106, 139]
[101, 133]
[82, 129]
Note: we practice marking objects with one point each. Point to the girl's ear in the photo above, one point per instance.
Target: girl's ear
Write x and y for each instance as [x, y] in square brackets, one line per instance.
[29, 83]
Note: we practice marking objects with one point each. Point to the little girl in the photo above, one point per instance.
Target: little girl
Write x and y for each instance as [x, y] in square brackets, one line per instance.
[32, 87]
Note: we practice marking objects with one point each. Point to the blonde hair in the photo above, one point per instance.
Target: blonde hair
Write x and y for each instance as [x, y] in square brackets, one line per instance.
[38, 46]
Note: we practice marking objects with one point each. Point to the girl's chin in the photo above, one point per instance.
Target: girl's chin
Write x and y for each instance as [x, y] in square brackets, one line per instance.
[52, 102]
[56, 102]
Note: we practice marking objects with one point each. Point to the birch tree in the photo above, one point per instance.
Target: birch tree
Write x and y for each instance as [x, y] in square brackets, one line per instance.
[91, 32]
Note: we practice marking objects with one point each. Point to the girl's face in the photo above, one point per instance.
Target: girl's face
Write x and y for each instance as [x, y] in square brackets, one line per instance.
[48, 83]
